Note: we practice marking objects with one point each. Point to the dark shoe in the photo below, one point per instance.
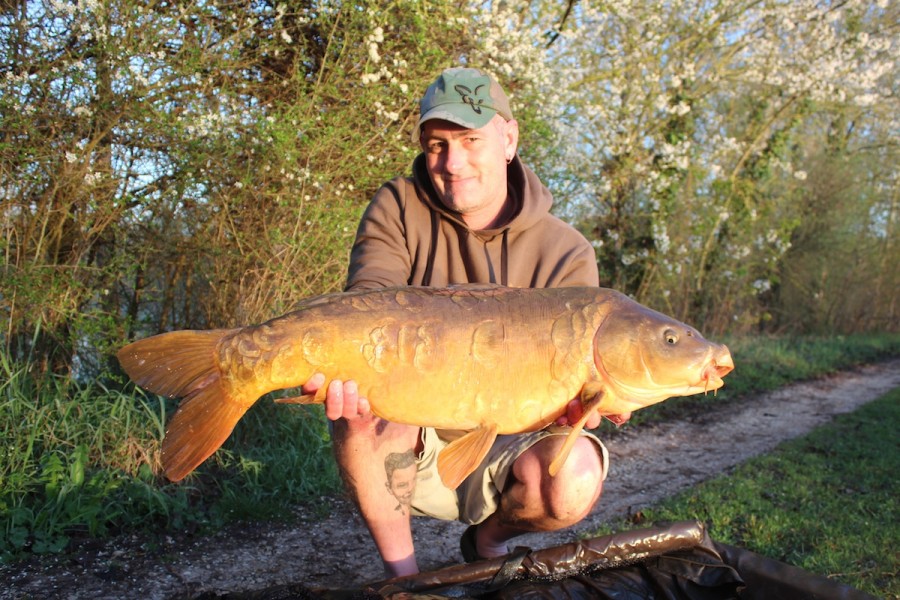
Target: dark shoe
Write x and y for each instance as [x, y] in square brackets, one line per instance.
[467, 545]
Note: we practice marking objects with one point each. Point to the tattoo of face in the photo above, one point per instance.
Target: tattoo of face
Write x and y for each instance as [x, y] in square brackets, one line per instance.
[400, 468]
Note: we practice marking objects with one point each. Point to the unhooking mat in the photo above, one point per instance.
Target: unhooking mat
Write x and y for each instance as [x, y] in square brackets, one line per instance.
[679, 562]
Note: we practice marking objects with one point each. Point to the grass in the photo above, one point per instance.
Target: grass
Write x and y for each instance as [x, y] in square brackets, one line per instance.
[82, 460]
[827, 502]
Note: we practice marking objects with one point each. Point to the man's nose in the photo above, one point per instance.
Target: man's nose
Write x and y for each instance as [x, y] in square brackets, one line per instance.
[455, 158]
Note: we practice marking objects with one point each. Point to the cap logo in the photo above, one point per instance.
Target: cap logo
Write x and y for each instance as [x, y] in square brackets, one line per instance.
[469, 97]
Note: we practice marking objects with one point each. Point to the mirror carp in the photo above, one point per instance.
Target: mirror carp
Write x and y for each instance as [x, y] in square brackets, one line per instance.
[488, 360]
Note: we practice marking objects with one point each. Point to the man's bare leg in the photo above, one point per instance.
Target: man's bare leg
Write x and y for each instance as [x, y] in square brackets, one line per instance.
[535, 501]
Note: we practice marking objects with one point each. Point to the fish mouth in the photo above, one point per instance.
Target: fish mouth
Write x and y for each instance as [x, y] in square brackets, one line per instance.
[702, 376]
[717, 368]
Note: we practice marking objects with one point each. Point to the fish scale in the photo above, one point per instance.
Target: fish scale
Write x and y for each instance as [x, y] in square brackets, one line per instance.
[485, 359]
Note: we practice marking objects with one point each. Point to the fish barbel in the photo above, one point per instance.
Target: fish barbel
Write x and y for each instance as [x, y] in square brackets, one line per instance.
[486, 359]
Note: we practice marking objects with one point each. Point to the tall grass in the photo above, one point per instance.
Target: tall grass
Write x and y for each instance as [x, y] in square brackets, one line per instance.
[82, 460]
[75, 461]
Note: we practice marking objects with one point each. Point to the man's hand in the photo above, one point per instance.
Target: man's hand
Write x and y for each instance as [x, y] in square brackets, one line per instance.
[574, 411]
[341, 399]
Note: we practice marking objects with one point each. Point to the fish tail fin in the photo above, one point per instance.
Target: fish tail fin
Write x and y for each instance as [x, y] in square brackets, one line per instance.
[183, 364]
[202, 423]
[173, 364]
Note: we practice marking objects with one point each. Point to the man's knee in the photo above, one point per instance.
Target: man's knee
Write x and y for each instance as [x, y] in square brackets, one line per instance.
[577, 486]
[568, 496]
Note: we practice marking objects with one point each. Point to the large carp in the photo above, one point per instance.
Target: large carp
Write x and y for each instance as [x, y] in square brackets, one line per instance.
[487, 359]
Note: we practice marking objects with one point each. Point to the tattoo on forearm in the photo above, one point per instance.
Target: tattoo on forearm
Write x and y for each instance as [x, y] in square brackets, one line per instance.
[400, 468]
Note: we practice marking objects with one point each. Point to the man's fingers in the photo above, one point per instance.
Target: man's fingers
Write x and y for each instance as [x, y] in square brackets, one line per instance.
[342, 401]
[354, 406]
[313, 384]
[573, 413]
[334, 400]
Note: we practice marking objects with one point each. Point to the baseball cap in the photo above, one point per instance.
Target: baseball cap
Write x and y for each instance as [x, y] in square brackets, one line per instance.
[465, 96]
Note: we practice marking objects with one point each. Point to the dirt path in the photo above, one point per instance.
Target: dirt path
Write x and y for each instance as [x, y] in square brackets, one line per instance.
[648, 463]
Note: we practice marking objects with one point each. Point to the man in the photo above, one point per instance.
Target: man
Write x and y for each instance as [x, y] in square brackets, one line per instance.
[470, 213]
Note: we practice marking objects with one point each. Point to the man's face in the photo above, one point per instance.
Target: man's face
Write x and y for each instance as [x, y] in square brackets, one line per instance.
[468, 166]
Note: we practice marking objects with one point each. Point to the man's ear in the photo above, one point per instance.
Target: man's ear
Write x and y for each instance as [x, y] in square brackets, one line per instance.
[512, 138]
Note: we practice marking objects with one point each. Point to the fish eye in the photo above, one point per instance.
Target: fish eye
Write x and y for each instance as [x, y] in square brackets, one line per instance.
[671, 337]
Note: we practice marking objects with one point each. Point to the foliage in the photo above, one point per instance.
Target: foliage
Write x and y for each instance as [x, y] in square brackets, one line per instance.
[811, 503]
[168, 166]
[83, 461]
[692, 137]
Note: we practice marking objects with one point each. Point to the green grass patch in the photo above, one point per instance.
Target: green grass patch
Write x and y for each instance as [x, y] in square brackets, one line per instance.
[827, 502]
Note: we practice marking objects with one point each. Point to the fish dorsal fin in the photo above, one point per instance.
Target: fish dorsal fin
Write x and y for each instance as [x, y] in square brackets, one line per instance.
[591, 396]
[463, 455]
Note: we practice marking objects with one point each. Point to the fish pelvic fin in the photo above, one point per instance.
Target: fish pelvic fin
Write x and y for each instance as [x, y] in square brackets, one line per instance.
[183, 363]
[463, 455]
[591, 399]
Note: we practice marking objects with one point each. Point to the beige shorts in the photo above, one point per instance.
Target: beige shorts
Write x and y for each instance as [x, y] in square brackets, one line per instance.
[478, 496]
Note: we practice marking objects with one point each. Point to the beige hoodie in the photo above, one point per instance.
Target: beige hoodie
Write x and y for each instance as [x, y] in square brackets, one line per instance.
[408, 237]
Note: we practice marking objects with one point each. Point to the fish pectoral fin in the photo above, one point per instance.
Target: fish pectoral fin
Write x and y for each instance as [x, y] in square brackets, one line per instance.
[463, 455]
[304, 399]
[591, 398]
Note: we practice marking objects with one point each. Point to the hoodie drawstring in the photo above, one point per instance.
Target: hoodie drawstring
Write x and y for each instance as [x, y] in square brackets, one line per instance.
[432, 253]
[504, 259]
[432, 249]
